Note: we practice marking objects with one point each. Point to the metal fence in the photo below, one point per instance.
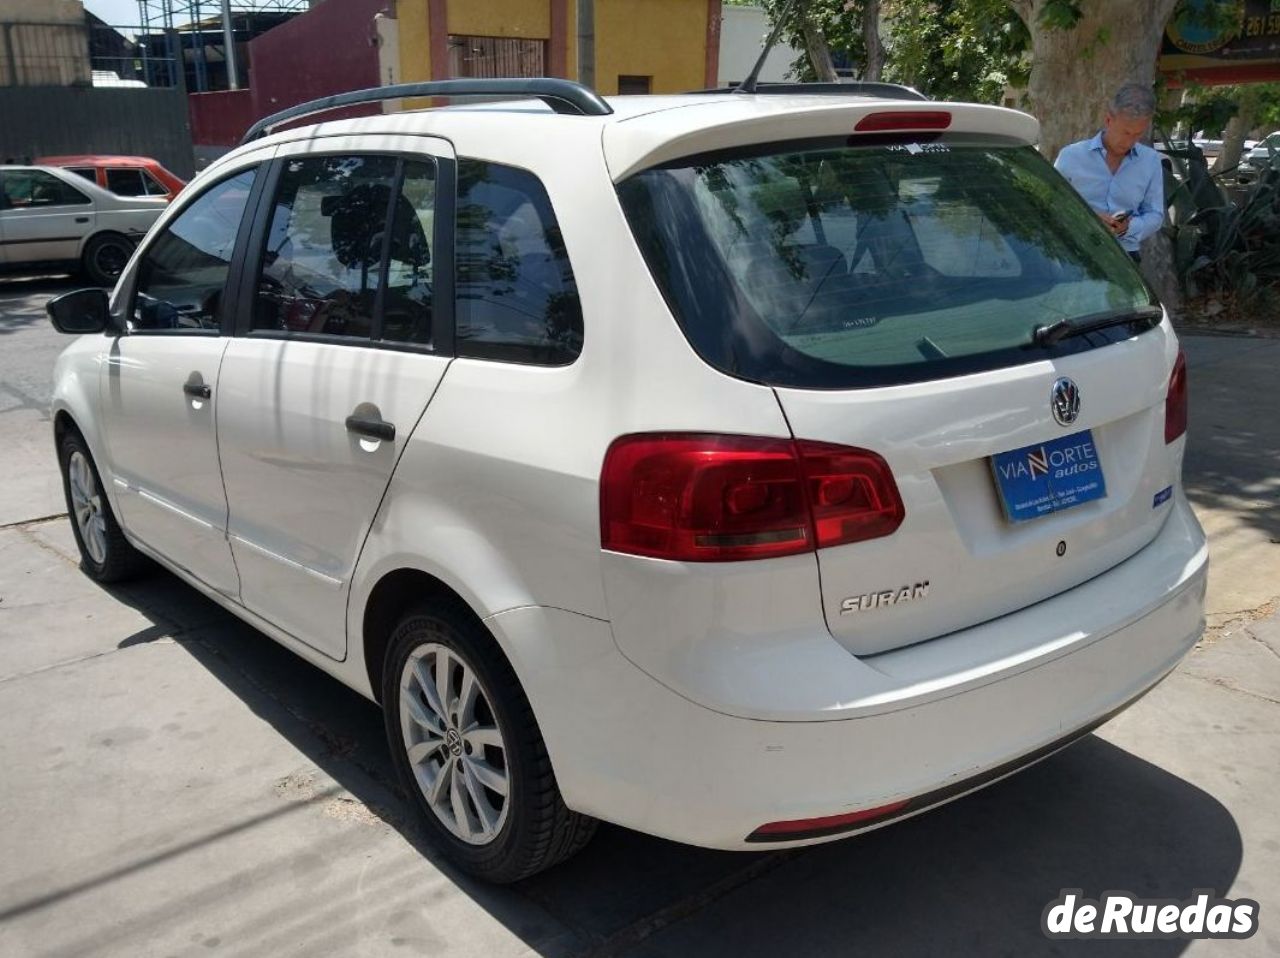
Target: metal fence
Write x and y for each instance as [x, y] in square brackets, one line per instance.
[87, 55]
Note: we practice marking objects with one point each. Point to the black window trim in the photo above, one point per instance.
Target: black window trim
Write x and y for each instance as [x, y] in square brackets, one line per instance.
[442, 304]
[230, 288]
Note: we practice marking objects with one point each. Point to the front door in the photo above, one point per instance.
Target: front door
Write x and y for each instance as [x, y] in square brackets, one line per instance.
[160, 387]
[339, 356]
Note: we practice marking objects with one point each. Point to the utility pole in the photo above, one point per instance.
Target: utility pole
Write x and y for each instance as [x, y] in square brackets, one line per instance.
[586, 43]
[229, 40]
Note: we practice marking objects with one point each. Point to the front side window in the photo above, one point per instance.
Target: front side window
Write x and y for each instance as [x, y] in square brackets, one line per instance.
[833, 264]
[184, 270]
[36, 189]
[88, 172]
[516, 296]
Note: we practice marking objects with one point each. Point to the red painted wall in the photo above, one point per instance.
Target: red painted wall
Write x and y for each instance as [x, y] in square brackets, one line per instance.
[329, 49]
[220, 118]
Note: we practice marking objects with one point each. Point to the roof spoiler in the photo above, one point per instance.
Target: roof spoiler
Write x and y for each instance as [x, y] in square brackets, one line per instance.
[892, 91]
[563, 96]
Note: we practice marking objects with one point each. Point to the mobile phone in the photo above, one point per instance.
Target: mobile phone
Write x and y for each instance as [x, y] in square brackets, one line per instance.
[1122, 215]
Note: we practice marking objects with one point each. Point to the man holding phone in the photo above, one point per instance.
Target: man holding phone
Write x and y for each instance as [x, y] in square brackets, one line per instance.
[1120, 177]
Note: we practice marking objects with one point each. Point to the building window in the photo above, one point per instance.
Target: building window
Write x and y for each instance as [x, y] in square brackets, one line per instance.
[628, 85]
[496, 57]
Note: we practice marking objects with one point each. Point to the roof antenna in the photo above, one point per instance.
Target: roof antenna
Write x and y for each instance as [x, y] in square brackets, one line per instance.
[749, 84]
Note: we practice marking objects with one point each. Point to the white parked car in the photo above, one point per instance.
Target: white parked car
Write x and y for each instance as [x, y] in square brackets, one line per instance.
[748, 470]
[50, 217]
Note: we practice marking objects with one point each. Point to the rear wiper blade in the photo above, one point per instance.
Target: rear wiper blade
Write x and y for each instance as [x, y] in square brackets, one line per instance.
[1056, 332]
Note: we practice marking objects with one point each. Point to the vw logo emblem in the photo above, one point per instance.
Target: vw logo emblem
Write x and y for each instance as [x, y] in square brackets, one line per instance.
[1064, 400]
[453, 741]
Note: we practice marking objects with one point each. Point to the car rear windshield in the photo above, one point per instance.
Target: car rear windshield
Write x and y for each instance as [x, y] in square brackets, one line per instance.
[841, 263]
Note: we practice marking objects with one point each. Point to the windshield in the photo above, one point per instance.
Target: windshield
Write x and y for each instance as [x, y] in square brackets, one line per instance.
[831, 265]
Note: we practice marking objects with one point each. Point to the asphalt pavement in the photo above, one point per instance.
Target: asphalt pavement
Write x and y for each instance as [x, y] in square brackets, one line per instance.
[174, 783]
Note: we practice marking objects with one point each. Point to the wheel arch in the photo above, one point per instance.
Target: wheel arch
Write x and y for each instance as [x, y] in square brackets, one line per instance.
[394, 594]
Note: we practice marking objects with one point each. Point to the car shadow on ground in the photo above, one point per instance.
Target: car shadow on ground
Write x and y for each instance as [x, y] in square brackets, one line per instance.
[17, 315]
[971, 878]
[1233, 435]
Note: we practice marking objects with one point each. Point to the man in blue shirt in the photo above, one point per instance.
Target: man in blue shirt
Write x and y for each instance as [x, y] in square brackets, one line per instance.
[1118, 176]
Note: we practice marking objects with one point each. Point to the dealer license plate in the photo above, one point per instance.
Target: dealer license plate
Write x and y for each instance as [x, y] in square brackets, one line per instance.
[1049, 476]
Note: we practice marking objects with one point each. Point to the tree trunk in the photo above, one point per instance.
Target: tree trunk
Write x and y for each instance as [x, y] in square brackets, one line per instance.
[1237, 131]
[1075, 72]
[874, 66]
[816, 46]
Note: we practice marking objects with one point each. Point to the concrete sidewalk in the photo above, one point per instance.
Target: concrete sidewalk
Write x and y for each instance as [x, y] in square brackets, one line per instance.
[177, 784]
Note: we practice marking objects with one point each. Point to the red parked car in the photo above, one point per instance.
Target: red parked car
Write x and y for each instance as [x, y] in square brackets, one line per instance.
[122, 175]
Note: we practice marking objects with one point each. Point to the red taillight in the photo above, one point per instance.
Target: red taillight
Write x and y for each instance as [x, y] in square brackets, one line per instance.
[892, 120]
[1175, 402]
[711, 498]
[806, 826]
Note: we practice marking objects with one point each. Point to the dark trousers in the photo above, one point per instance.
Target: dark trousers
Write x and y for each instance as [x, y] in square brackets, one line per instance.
[1136, 257]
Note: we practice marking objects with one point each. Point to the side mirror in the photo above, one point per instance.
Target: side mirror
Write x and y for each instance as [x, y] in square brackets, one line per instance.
[84, 311]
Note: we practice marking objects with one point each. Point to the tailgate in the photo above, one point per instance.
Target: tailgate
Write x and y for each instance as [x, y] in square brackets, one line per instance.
[958, 558]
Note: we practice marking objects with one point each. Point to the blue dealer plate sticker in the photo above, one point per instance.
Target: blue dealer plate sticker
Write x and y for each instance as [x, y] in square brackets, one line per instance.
[1049, 476]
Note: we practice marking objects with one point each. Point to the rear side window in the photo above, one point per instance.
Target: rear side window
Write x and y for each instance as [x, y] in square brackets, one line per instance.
[128, 182]
[184, 270]
[88, 172]
[832, 264]
[516, 296]
[323, 256]
[343, 258]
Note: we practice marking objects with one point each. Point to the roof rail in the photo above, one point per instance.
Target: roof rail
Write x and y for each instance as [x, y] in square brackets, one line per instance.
[563, 96]
[894, 91]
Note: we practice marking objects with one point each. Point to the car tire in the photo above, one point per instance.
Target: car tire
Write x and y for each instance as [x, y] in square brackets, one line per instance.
[105, 257]
[105, 554]
[474, 751]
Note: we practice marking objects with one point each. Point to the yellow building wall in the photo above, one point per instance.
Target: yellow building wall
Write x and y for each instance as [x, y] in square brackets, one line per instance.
[663, 39]
[415, 46]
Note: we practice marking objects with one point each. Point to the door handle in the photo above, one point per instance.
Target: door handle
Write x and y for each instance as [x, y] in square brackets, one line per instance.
[82, 219]
[372, 428]
[198, 390]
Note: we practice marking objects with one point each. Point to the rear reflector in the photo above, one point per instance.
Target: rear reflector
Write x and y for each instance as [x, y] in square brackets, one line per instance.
[697, 497]
[1175, 402]
[780, 831]
[891, 120]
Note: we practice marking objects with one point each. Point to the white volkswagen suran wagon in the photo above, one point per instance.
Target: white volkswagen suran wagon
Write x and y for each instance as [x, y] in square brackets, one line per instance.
[750, 470]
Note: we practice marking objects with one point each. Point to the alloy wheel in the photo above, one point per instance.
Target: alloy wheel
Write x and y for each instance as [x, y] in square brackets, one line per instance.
[86, 502]
[455, 747]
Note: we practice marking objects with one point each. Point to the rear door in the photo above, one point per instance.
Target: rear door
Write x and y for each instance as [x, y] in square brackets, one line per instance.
[344, 339]
[44, 216]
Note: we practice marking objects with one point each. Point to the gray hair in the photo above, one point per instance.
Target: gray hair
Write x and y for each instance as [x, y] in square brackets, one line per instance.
[1134, 100]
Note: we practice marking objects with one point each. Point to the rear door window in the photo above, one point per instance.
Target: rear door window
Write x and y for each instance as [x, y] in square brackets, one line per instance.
[126, 182]
[833, 264]
[323, 257]
[348, 250]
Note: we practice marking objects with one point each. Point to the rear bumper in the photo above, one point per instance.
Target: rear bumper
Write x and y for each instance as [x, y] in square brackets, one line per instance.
[922, 725]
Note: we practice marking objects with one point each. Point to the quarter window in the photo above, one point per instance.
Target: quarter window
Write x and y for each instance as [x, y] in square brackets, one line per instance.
[516, 296]
[184, 270]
